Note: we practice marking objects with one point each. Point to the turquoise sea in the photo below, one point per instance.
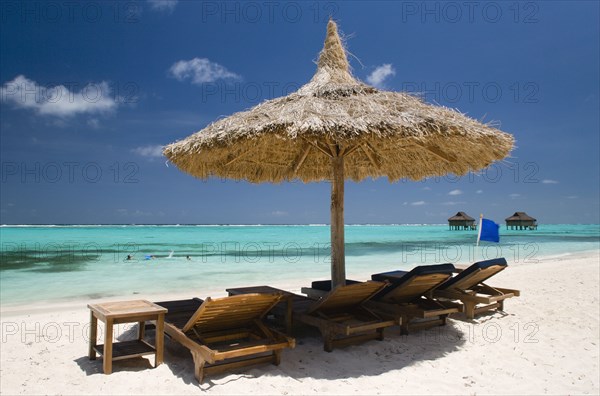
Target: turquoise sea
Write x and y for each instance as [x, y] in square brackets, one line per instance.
[59, 263]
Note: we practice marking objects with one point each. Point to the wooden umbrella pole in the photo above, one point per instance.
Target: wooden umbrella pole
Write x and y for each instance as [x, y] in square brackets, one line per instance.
[338, 259]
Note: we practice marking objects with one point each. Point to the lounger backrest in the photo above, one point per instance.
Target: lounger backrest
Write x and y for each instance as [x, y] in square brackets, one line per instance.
[231, 312]
[414, 283]
[475, 274]
[348, 296]
[325, 285]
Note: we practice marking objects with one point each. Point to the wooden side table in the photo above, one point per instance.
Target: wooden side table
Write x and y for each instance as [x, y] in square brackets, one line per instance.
[116, 312]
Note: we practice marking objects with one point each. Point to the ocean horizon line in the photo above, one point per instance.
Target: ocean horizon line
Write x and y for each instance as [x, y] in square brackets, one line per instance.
[218, 225]
[241, 224]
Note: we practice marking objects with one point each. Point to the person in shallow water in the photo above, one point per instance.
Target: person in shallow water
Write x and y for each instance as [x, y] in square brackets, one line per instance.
[188, 258]
[129, 257]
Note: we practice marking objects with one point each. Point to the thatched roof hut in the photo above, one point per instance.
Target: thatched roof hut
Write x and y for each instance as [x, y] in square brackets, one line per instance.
[521, 221]
[461, 221]
[335, 128]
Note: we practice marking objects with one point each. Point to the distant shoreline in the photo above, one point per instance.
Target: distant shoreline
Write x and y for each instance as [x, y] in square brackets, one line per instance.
[252, 225]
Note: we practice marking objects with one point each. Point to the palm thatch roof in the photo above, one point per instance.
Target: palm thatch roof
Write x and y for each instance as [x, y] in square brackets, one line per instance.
[378, 133]
[460, 216]
[520, 216]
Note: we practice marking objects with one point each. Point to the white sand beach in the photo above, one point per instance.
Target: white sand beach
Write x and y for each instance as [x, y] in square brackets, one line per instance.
[547, 342]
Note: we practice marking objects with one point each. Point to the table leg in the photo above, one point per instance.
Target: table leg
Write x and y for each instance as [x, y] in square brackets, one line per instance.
[159, 339]
[288, 317]
[141, 328]
[93, 335]
[108, 346]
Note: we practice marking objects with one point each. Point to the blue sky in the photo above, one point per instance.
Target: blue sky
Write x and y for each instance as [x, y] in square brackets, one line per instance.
[91, 91]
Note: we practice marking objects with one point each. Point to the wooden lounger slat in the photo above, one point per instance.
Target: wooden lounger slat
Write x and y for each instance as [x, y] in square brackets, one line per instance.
[220, 367]
[248, 307]
[468, 288]
[128, 349]
[347, 296]
[478, 277]
[338, 315]
[225, 333]
[408, 297]
[417, 286]
[233, 351]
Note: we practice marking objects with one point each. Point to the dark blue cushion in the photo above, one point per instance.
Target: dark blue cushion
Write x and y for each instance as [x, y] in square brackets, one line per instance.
[399, 278]
[389, 276]
[473, 268]
[325, 285]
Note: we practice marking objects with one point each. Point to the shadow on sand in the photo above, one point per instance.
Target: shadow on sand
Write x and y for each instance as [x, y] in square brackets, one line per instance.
[309, 361]
[91, 367]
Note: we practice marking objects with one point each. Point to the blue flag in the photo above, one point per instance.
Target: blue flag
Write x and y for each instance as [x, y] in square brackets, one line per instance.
[488, 231]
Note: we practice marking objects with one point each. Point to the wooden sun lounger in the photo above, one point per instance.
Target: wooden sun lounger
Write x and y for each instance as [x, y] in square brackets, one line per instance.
[225, 333]
[476, 296]
[408, 297]
[341, 316]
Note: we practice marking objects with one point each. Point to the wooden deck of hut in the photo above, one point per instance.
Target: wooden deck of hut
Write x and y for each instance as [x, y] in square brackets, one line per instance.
[521, 221]
[461, 221]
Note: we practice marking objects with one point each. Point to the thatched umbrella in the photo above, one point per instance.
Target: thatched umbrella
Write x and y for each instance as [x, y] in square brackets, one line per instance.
[336, 127]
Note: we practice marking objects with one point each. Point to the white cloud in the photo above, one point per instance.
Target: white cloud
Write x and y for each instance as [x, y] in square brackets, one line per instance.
[163, 5]
[380, 74]
[139, 213]
[200, 70]
[514, 195]
[427, 188]
[572, 197]
[549, 181]
[418, 203]
[149, 151]
[279, 213]
[479, 192]
[455, 192]
[94, 123]
[59, 100]
[452, 203]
